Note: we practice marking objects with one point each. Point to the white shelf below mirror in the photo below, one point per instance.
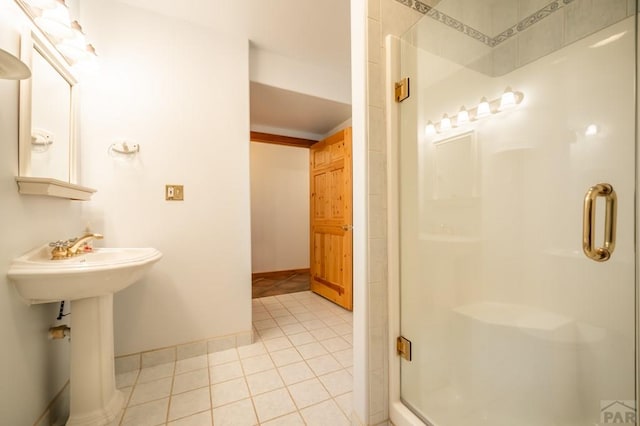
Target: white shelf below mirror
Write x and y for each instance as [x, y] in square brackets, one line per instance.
[53, 188]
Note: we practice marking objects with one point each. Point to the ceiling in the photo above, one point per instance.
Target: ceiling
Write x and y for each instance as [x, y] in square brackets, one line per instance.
[313, 32]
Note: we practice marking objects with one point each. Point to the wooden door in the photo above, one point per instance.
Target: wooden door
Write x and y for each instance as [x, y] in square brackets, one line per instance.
[331, 219]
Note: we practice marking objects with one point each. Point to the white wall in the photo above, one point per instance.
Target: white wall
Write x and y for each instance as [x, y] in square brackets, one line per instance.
[182, 93]
[33, 369]
[280, 71]
[279, 207]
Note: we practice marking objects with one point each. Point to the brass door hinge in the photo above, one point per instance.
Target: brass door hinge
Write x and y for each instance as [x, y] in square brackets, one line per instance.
[403, 347]
[402, 89]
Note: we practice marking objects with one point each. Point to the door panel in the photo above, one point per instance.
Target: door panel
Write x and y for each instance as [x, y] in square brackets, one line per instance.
[331, 217]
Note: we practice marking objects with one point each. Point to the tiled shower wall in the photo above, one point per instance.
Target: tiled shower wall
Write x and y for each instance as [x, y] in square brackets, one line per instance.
[384, 17]
[509, 34]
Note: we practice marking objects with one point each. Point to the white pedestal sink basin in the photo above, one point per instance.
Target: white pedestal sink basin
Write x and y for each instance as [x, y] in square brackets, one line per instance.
[89, 281]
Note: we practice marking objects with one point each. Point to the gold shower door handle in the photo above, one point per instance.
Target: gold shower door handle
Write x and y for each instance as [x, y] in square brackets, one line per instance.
[600, 254]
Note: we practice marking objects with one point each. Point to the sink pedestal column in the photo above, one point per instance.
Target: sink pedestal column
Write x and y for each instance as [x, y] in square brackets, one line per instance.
[94, 397]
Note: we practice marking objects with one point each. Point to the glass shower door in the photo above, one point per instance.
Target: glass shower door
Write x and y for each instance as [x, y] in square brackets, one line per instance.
[515, 113]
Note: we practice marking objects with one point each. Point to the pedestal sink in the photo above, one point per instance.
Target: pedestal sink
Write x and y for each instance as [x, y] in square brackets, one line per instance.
[89, 280]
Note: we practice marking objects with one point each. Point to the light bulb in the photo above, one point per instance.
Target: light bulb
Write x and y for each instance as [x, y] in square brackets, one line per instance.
[56, 22]
[508, 99]
[591, 130]
[74, 48]
[484, 110]
[42, 4]
[445, 123]
[430, 128]
[462, 117]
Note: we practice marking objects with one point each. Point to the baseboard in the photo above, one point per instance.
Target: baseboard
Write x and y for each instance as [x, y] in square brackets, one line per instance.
[150, 358]
[278, 274]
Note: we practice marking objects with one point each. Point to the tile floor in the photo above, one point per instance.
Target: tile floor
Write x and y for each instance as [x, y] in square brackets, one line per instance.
[280, 283]
[298, 371]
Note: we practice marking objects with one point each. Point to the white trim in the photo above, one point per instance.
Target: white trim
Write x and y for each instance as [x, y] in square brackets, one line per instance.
[53, 188]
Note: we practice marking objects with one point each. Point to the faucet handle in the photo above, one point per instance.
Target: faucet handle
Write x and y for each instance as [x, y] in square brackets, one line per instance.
[59, 249]
[59, 244]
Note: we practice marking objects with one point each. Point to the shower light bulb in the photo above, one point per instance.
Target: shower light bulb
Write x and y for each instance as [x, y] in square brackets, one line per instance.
[430, 128]
[462, 117]
[508, 99]
[445, 123]
[483, 110]
[591, 130]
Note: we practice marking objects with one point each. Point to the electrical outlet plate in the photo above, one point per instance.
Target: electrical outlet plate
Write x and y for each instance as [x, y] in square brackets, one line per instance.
[174, 192]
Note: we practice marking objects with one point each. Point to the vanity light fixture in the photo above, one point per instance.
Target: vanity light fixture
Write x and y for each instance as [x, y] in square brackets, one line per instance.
[76, 48]
[41, 4]
[55, 21]
[52, 18]
[508, 100]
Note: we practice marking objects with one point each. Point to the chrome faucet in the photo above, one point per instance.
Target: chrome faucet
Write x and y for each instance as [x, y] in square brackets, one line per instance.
[69, 248]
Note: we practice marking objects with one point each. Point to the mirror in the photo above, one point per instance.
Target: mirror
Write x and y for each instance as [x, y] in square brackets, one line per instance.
[47, 151]
[46, 114]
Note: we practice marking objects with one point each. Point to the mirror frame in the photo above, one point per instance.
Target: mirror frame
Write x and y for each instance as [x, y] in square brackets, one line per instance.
[27, 184]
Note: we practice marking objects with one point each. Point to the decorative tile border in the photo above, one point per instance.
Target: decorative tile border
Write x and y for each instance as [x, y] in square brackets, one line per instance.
[523, 25]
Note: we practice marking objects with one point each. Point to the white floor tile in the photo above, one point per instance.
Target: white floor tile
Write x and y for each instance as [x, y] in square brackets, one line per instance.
[257, 364]
[188, 403]
[293, 328]
[273, 404]
[223, 372]
[277, 344]
[262, 324]
[258, 316]
[311, 350]
[145, 392]
[323, 333]
[231, 391]
[345, 402]
[326, 413]
[126, 379]
[293, 419]
[200, 419]
[251, 350]
[277, 313]
[301, 338]
[265, 381]
[240, 413]
[324, 364]
[190, 364]
[289, 319]
[191, 380]
[345, 357]
[335, 344]
[294, 373]
[308, 393]
[161, 371]
[286, 356]
[270, 333]
[338, 382]
[149, 414]
[223, 357]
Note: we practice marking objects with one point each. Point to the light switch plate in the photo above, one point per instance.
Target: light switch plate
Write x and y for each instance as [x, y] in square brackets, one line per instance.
[174, 192]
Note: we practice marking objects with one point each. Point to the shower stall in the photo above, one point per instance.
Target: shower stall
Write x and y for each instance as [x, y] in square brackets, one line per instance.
[515, 172]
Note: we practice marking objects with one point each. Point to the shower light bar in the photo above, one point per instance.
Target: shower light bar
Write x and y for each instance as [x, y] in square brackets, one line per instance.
[508, 100]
